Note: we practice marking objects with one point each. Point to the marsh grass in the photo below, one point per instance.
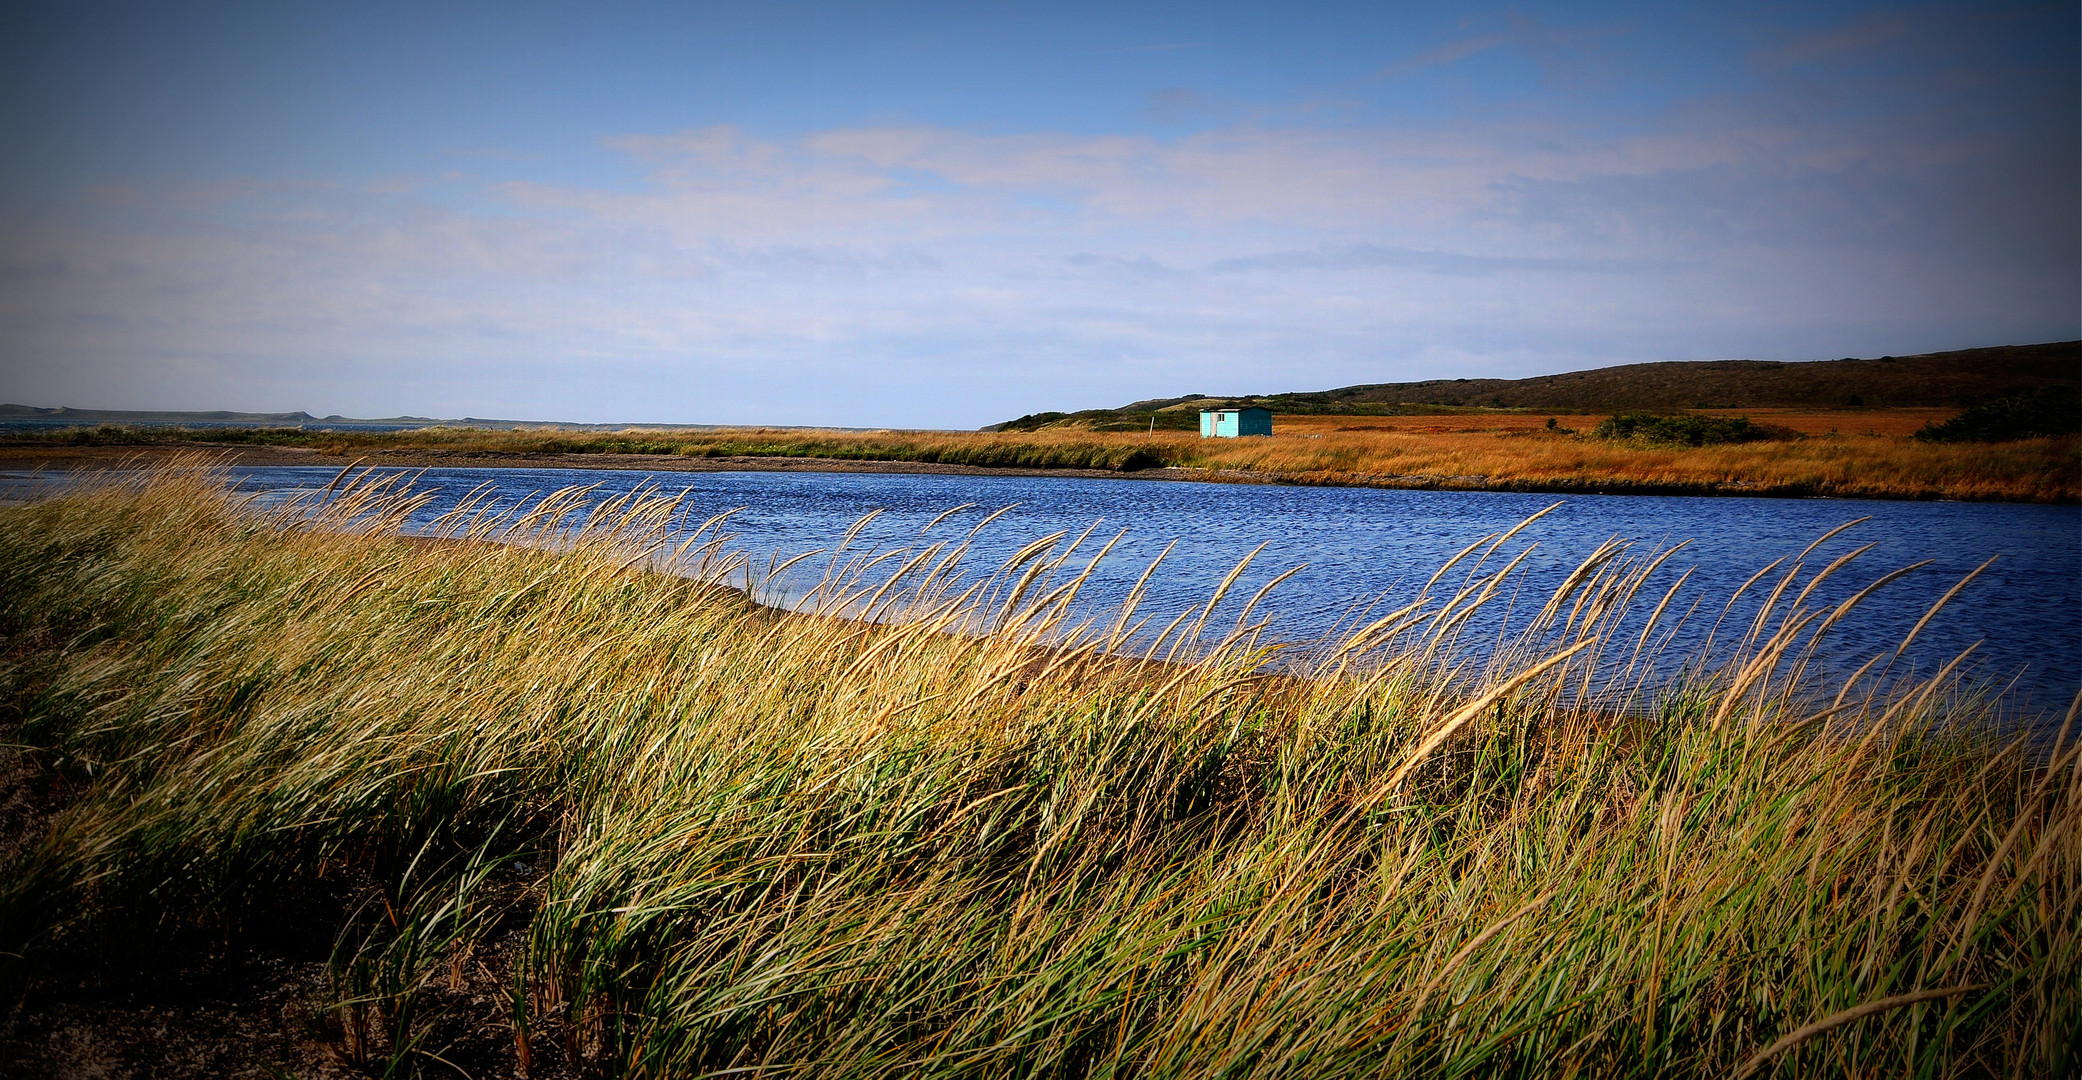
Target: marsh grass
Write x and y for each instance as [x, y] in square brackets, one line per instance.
[2038, 470]
[1028, 450]
[951, 823]
[1308, 450]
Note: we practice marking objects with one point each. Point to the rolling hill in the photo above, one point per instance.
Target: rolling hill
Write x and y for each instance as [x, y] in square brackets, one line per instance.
[1929, 379]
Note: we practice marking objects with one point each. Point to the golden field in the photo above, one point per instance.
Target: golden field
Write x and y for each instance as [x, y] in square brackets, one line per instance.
[1845, 454]
[1854, 453]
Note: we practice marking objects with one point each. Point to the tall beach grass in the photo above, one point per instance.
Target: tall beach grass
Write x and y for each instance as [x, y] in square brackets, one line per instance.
[946, 821]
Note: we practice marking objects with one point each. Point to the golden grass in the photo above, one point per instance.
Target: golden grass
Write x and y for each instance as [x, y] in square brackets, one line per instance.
[1870, 455]
[2038, 470]
[800, 845]
[1889, 422]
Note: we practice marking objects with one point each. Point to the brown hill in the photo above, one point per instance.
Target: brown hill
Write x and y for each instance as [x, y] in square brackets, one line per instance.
[1928, 380]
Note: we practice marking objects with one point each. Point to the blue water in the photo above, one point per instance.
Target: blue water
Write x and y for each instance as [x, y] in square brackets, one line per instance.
[1359, 545]
[46, 424]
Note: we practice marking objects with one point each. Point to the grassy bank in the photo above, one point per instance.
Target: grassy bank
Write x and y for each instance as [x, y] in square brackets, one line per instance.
[1469, 452]
[555, 813]
[1856, 466]
[987, 450]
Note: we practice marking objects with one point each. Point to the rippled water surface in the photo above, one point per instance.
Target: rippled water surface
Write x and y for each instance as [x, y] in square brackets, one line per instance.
[1358, 545]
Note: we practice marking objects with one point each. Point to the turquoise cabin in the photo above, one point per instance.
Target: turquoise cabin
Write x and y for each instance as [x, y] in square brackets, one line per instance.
[1230, 423]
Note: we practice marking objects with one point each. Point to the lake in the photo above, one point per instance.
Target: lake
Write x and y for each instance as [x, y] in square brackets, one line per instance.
[1357, 545]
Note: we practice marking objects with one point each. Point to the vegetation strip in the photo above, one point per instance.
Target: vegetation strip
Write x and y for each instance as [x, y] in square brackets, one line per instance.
[548, 811]
[1527, 458]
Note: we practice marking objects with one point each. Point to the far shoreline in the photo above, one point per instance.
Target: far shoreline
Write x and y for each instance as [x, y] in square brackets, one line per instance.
[45, 457]
[83, 458]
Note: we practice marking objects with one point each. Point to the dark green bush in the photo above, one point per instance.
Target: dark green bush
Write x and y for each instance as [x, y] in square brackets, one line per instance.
[1033, 421]
[1686, 429]
[2027, 414]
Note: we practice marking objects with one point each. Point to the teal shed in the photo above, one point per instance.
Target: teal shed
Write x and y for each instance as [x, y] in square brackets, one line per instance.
[1230, 423]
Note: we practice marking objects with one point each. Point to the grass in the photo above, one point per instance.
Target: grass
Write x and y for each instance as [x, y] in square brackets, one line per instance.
[1475, 451]
[1025, 451]
[564, 815]
[1520, 458]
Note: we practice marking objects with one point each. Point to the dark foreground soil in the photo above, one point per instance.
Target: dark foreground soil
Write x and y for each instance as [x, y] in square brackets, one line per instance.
[233, 995]
[156, 1006]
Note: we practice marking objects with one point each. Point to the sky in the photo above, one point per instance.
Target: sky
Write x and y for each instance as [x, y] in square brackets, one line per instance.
[925, 215]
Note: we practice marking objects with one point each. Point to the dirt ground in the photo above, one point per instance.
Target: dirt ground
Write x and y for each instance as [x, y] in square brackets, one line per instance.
[191, 1007]
[224, 995]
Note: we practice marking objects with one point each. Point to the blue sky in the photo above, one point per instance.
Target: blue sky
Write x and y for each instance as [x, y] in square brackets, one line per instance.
[947, 215]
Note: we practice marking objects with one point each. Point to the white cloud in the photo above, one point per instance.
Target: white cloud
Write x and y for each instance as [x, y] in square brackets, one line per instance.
[920, 275]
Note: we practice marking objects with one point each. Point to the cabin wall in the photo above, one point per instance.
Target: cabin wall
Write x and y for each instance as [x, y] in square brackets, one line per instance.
[1231, 423]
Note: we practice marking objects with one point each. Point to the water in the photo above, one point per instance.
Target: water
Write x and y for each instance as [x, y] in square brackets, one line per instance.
[40, 425]
[1360, 544]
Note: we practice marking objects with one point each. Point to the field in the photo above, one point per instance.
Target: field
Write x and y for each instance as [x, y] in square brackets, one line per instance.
[1838, 453]
[291, 795]
[1868, 423]
[1852, 453]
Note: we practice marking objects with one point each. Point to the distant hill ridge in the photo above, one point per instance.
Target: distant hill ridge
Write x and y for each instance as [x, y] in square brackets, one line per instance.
[217, 416]
[30, 416]
[1928, 379]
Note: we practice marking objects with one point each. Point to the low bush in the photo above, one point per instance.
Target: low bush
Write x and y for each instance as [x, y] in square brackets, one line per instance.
[2028, 414]
[1684, 429]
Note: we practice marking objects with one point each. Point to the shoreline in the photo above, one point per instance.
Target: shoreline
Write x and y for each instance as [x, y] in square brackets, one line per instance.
[37, 457]
[108, 457]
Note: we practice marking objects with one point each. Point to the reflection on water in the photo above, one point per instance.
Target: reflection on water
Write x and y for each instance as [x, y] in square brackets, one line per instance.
[1359, 545]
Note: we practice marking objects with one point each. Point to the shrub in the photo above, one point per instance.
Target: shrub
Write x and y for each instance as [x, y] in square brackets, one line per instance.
[1033, 421]
[1687, 429]
[2050, 410]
